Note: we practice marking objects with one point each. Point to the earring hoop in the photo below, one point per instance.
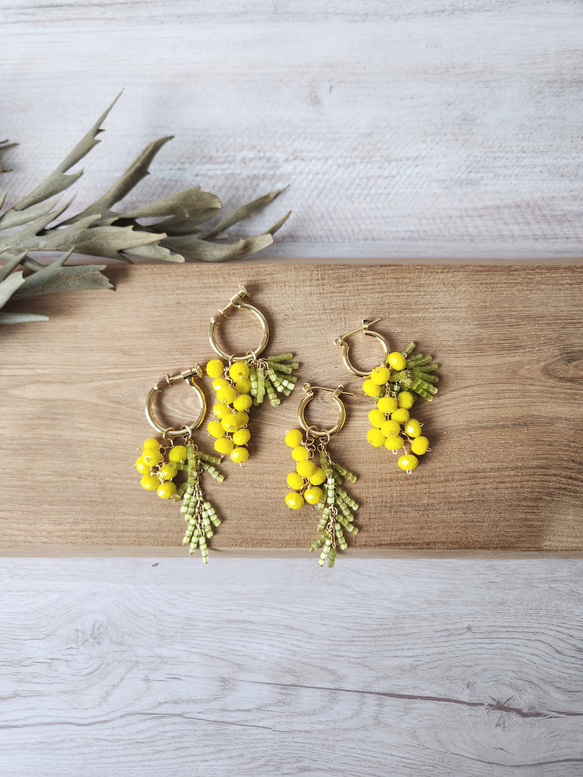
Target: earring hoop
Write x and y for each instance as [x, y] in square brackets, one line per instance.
[314, 431]
[342, 342]
[236, 301]
[189, 377]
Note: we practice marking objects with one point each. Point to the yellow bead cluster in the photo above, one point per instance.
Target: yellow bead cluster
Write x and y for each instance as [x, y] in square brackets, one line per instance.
[160, 463]
[321, 487]
[307, 478]
[157, 475]
[391, 422]
[232, 387]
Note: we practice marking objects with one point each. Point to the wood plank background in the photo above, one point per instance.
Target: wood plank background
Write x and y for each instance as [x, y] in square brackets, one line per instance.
[263, 667]
[429, 129]
[423, 130]
[505, 471]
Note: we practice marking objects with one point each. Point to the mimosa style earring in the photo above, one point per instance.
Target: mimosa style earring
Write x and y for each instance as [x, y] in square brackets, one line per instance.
[318, 480]
[163, 461]
[242, 381]
[398, 380]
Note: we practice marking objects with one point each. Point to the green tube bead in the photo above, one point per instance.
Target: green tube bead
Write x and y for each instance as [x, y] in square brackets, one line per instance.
[214, 473]
[332, 558]
[260, 384]
[345, 473]
[278, 367]
[409, 349]
[210, 459]
[282, 357]
[349, 501]
[425, 377]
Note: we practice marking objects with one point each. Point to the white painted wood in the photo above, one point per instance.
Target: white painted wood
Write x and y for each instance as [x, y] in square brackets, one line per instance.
[276, 667]
[406, 130]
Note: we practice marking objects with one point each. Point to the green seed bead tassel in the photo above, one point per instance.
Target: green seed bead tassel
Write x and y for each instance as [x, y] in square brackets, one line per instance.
[337, 507]
[199, 514]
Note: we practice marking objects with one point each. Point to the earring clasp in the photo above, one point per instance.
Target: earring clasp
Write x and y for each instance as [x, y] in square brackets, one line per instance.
[237, 301]
[309, 389]
[188, 376]
[364, 328]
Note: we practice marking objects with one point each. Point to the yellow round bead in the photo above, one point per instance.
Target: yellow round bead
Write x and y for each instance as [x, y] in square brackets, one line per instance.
[177, 453]
[400, 415]
[215, 368]
[313, 495]
[300, 453]
[387, 404]
[151, 443]
[216, 428]
[318, 477]
[227, 394]
[371, 389]
[376, 418]
[293, 500]
[151, 456]
[239, 371]
[168, 472]
[241, 436]
[241, 419]
[221, 410]
[229, 423]
[380, 375]
[293, 438]
[150, 482]
[397, 361]
[406, 399]
[394, 443]
[243, 402]
[295, 481]
[142, 467]
[413, 427]
[166, 490]
[375, 437]
[390, 428]
[240, 455]
[224, 446]
[305, 468]
[420, 445]
[219, 383]
[243, 386]
[408, 462]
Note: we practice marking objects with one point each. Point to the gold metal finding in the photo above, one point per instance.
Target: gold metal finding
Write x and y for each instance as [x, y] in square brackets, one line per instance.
[364, 328]
[235, 302]
[314, 431]
[189, 376]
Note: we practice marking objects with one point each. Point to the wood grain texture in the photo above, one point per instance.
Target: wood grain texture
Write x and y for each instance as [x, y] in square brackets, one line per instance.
[505, 471]
[261, 667]
[405, 129]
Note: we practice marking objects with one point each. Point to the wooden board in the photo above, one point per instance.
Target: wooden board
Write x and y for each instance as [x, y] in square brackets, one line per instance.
[505, 471]
[273, 667]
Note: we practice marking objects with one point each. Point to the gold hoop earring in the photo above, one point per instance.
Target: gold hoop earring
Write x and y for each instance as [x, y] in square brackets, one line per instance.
[395, 383]
[161, 462]
[244, 381]
[318, 480]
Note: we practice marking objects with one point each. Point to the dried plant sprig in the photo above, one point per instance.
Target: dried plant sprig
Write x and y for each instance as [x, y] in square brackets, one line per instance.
[101, 231]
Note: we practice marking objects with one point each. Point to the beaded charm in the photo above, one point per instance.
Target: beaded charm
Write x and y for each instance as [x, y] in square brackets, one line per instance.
[318, 480]
[396, 383]
[243, 381]
[163, 462]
